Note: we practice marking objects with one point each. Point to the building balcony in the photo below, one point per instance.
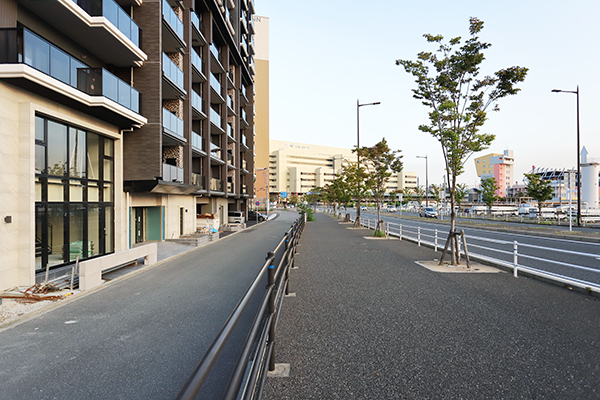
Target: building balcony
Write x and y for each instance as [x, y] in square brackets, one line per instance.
[243, 189]
[230, 84]
[244, 165]
[198, 143]
[215, 122]
[251, 7]
[199, 181]
[230, 133]
[244, 24]
[230, 187]
[216, 185]
[198, 38]
[215, 154]
[251, 27]
[197, 68]
[215, 60]
[173, 126]
[230, 160]
[243, 121]
[244, 48]
[244, 96]
[172, 173]
[173, 84]
[244, 142]
[215, 86]
[230, 105]
[251, 47]
[197, 106]
[172, 29]
[40, 67]
[100, 26]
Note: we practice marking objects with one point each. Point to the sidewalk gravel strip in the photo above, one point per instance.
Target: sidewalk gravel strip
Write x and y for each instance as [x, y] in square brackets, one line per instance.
[367, 322]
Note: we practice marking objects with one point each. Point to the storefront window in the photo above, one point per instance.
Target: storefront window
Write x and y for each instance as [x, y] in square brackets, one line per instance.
[74, 192]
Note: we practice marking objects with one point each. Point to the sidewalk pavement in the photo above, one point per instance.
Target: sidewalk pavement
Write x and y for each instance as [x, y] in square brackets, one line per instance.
[367, 322]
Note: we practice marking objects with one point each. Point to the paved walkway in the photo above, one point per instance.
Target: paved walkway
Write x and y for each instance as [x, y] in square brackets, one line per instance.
[367, 322]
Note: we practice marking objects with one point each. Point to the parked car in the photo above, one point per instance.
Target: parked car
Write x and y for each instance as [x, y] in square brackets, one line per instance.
[428, 212]
[391, 209]
[363, 208]
[253, 216]
[235, 217]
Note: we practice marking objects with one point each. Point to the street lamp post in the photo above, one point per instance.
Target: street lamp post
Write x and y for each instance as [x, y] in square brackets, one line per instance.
[578, 154]
[426, 181]
[358, 106]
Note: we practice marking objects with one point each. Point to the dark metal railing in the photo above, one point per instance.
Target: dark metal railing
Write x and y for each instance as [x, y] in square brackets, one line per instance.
[248, 377]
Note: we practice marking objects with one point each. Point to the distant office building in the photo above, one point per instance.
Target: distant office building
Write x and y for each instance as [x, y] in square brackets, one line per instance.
[497, 166]
[297, 168]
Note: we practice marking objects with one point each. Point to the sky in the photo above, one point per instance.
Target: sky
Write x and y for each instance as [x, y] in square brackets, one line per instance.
[326, 55]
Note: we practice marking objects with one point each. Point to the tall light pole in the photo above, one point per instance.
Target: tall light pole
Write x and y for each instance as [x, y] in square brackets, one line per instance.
[578, 155]
[426, 181]
[358, 106]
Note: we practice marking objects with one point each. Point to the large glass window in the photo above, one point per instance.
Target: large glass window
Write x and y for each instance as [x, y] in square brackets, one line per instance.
[74, 188]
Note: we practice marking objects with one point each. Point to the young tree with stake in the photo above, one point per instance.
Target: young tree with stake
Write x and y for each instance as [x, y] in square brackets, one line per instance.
[459, 100]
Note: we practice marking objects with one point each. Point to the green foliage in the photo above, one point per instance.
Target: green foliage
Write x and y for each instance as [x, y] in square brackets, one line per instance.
[379, 234]
[294, 199]
[488, 194]
[380, 162]
[538, 190]
[304, 209]
[458, 97]
[460, 193]
[437, 192]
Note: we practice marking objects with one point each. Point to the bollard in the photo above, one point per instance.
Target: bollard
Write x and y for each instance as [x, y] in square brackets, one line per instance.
[419, 235]
[400, 232]
[436, 240]
[515, 257]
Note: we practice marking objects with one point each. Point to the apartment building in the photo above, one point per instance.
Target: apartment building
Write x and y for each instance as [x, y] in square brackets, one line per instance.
[497, 166]
[121, 120]
[297, 168]
[261, 122]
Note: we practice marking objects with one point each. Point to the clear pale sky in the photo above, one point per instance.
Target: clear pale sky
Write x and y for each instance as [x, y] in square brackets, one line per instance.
[324, 55]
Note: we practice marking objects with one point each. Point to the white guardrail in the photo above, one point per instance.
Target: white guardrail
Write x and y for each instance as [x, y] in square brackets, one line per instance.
[432, 238]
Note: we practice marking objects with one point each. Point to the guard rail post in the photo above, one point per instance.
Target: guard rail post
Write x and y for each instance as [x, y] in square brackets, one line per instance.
[400, 232]
[436, 237]
[418, 235]
[515, 257]
[271, 283]
[289, 255]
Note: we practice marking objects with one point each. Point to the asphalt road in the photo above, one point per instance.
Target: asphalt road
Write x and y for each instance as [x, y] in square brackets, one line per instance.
[534, 250]
[139, 337]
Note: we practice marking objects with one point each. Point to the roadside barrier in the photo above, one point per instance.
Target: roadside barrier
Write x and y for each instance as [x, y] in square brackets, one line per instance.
[430, 237]
[249, 374]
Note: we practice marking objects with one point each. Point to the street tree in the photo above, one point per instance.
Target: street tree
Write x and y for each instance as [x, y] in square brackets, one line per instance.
[419, 194]
[381, 162]
[460, 193]
[355, 176]
[407, 195]
[539, 190]
[437, 193]
[448, 82]
[294, 200]
[488, 192]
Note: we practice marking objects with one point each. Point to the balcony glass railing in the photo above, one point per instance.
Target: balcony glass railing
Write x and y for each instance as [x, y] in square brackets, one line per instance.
[230, 102]
[172, 19]
[244, 164]
[24, 46]
[198, 180]
[215, 51]
[196, 22]
[197, 101]
[115, 14]
[229, 158]
[215, 118]
[214, 82]
[230, 131]
[196, 60]
[197, 141]
[244, 91]
[244, 115]
[172, 173]
[172, 71]
[172, 122]
[244, 140]
[216, 185]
